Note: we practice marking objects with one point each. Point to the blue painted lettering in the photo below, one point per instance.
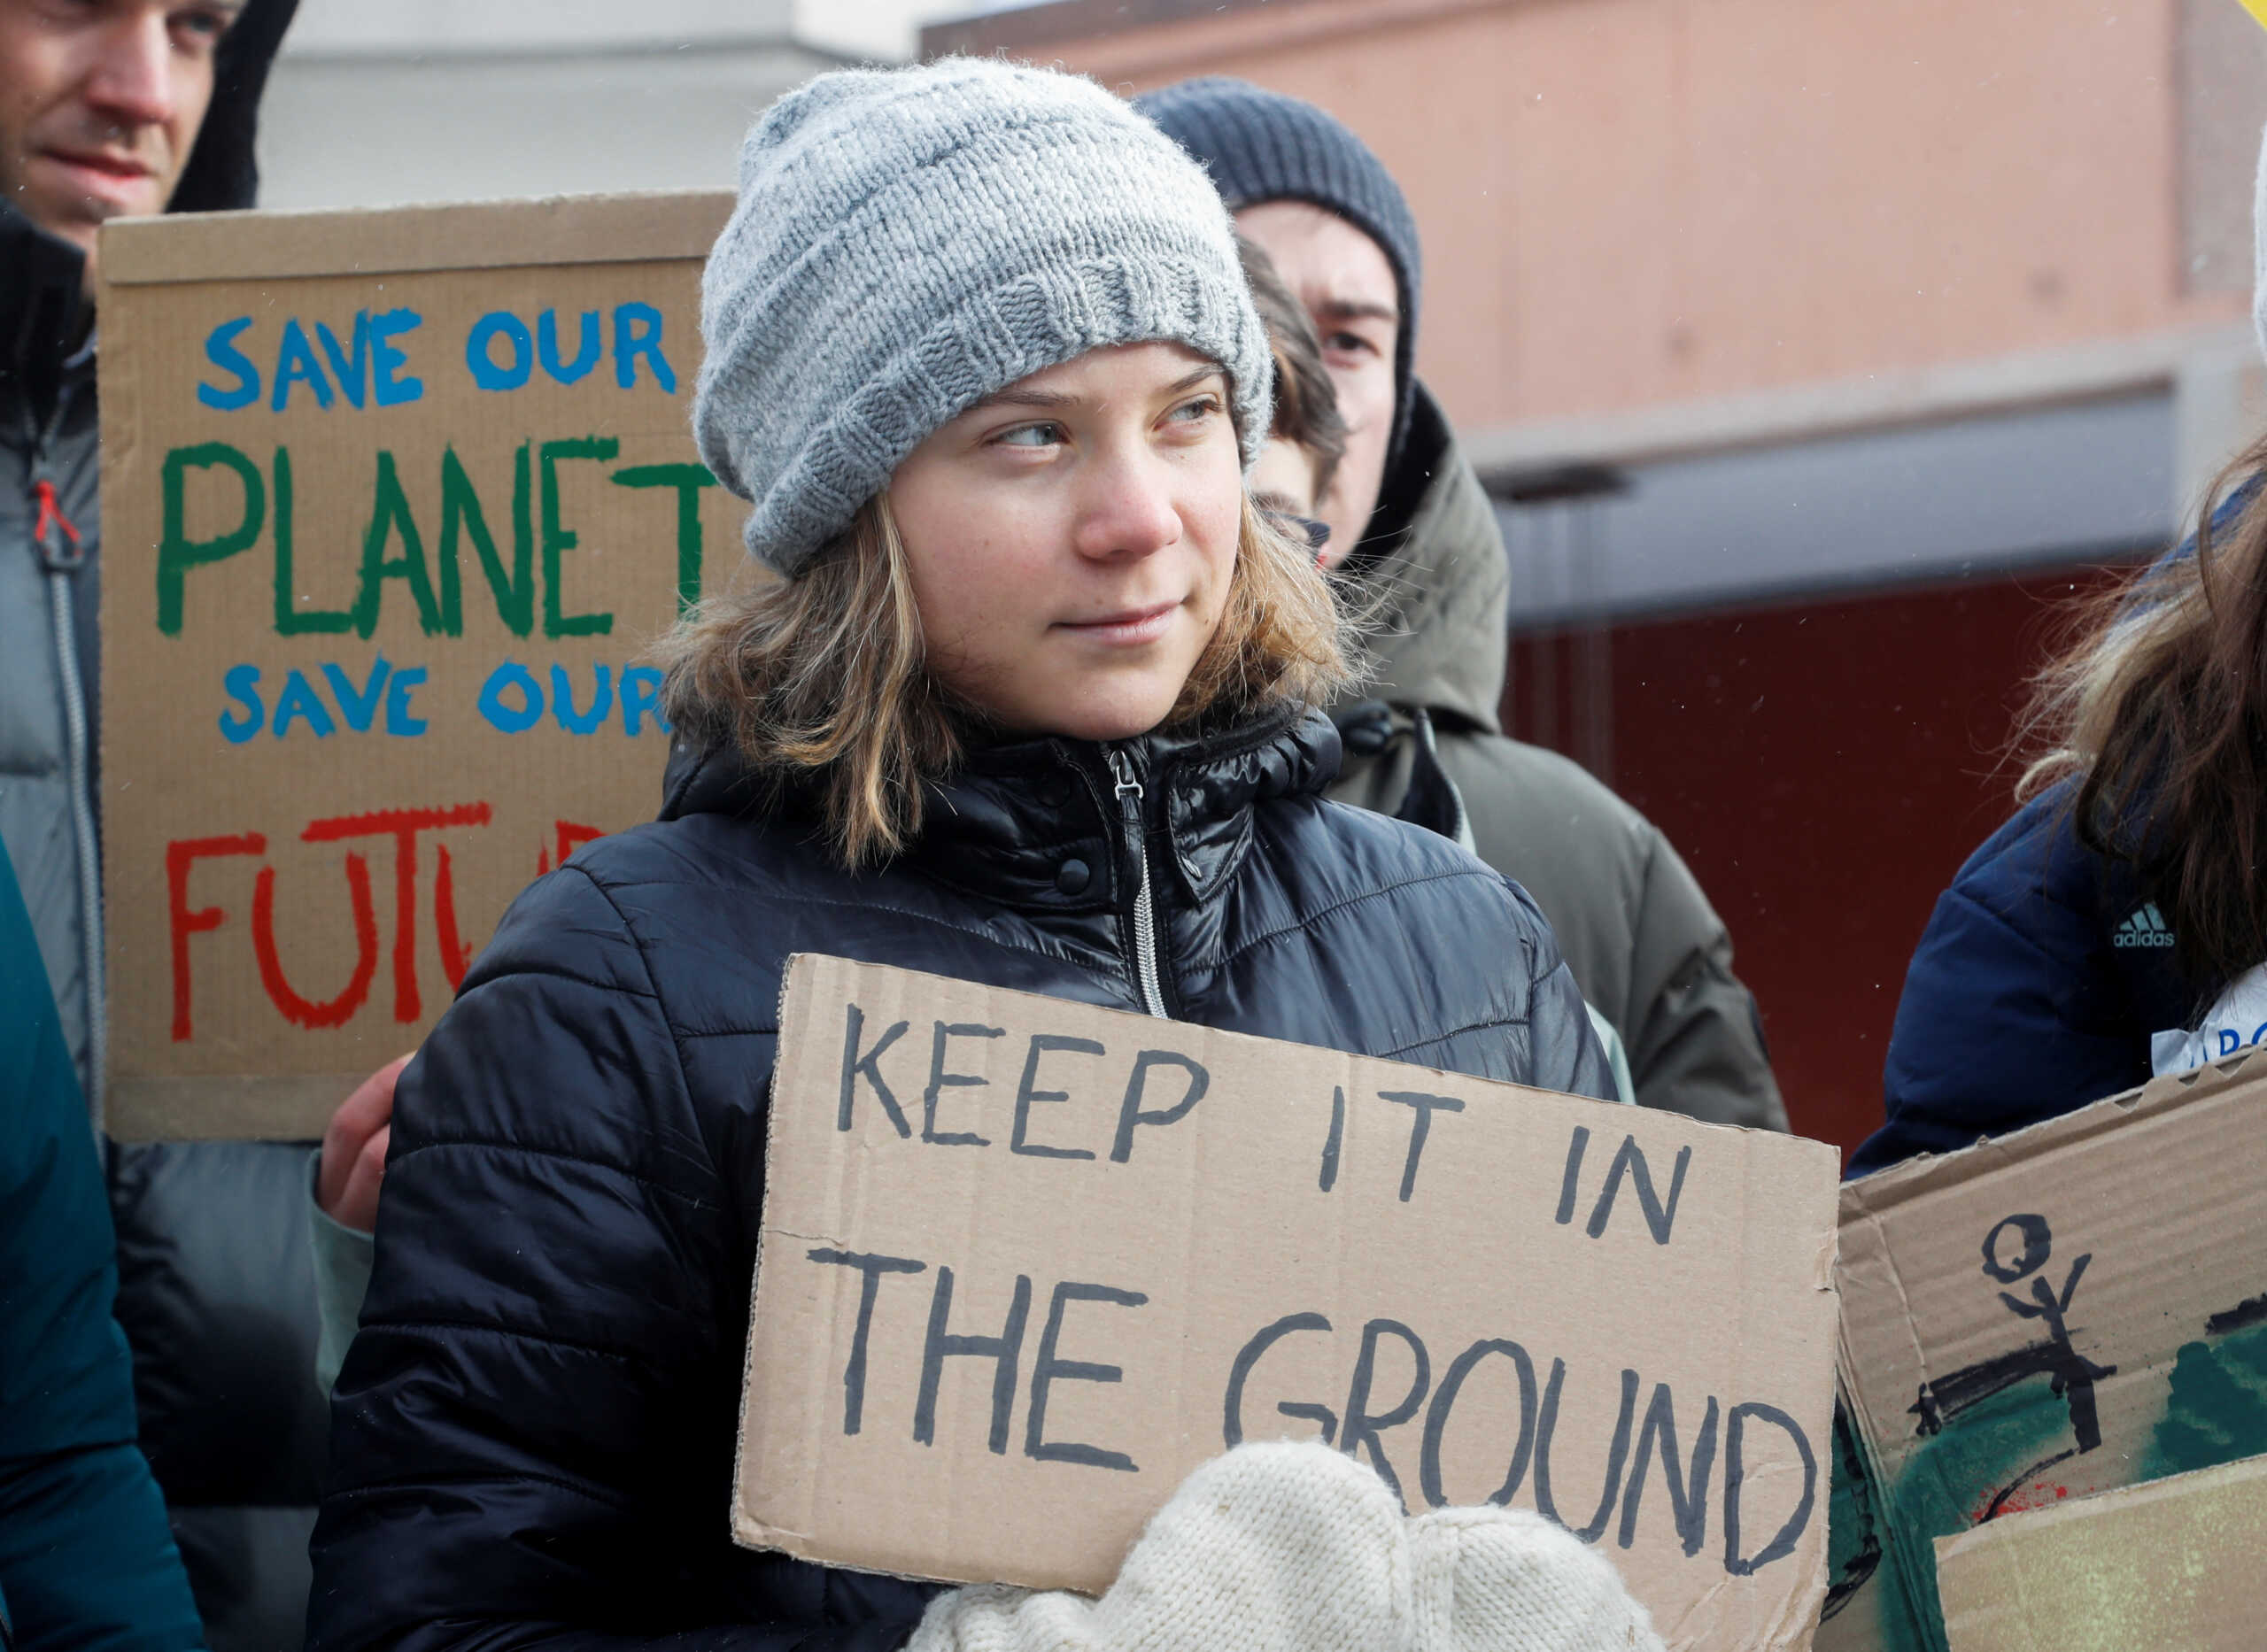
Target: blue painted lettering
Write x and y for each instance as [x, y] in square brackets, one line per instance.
[638, 333]
[351, 369]
[243, 685]
[587, 344]
[641, 696]
[399, 719]
[511, 676]
[562, 700]
[220, 350]
[299, 699]
[480, 356]
[361, 708]
[388, 385]
[296, 364]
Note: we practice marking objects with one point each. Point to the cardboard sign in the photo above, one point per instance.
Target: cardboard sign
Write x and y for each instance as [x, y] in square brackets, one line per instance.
[392, 502]
[1025, 1262]
[2078, 1307]
[2178, 1562]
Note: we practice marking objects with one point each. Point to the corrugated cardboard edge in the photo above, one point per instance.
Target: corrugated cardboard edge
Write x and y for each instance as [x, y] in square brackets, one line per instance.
[1987, 1564]
[234, 1108]
[1900, 1184]
[632, 229]
[748, 1530]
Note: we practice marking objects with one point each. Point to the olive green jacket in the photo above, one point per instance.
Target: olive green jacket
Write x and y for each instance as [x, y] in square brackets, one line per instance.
[1648, 951]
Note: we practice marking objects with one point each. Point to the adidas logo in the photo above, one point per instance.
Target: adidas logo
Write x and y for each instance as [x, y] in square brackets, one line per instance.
[2144, 928]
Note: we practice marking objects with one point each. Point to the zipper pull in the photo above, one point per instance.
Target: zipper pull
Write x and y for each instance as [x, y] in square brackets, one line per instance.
[55, 535]
[1129, 792]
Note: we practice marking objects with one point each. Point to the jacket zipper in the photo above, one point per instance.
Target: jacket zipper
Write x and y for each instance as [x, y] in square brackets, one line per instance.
[1145, 917]
[60, 554]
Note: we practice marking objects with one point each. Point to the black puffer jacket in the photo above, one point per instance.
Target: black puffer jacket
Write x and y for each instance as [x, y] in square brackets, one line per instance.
[534, 1430]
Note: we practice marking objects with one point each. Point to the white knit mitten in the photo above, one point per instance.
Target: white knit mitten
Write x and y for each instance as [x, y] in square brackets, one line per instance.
[1504, 1580]
[1294, 1548]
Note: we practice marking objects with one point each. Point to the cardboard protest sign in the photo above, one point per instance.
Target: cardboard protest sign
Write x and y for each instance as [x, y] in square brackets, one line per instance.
[2075, 1307]
[1025, 1262]
[392, 502]
[2177, 1563]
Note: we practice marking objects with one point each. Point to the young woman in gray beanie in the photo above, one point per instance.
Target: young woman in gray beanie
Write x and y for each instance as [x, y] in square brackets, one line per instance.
[1019, 696]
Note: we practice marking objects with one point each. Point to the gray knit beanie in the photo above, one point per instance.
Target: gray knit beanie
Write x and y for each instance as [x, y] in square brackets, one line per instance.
[909, 241]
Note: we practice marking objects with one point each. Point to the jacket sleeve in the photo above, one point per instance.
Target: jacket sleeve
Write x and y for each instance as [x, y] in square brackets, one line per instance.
[533, 1431]
[2005, 1019]
[86, 1561]
[1563, 1048]
[1694, 1037]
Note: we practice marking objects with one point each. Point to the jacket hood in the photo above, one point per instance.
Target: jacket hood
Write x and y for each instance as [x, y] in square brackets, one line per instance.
[223, 171]
[43, 310]
[1002, 826]
[42, 317]
[1442, 581]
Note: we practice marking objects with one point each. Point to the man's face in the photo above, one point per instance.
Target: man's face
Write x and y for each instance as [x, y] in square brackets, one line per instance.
[100, 101]
[1346, 285]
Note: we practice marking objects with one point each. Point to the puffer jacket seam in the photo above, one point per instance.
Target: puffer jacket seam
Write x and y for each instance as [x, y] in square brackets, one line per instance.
[788, 896]
[637, 945]
[467, 1327]
[374, 1489]
[549, 972]
[1457, 1032]
[1306, 920]
[485, 1144]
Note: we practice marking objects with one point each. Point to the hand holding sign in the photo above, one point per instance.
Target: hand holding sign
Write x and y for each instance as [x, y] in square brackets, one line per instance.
[1293, 1548]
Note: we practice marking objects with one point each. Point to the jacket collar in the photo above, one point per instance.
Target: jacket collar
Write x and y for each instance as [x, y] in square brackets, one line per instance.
[1040, 823]
[44, 316]
[1434, 560]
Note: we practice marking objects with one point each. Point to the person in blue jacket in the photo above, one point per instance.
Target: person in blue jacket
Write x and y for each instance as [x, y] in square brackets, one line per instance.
[2116, 926]
[86, 1561]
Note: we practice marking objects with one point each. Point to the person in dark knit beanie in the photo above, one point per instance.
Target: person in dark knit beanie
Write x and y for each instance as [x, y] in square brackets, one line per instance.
[1415, 535]
[1262, 146]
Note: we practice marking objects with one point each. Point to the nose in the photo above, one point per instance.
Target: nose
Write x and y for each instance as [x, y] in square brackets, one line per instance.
[1129, 510]
[131, 81]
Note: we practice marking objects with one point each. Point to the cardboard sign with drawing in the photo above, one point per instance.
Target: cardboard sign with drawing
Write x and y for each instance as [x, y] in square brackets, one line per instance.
[2072, 1309]
[393, 501]
[1025, 1262]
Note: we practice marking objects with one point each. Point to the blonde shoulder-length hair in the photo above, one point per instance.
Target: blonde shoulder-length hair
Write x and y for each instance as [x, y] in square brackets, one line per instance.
[823, 677]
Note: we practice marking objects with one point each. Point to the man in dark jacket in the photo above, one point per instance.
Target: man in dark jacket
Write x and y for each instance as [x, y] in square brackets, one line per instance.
[1411, 522]
[85, 1562]
[121, 107]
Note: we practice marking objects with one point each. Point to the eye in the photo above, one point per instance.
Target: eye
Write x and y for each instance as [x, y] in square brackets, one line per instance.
[201, 27]
[1195, 410]
[1045, 434]
[1349, 344]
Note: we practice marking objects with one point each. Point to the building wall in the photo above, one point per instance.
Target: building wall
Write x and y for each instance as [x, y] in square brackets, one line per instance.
[1632, 202]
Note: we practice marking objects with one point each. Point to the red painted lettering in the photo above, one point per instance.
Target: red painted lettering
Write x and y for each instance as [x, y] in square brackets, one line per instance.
[180, 854]
[304, 1011]
[402, 825]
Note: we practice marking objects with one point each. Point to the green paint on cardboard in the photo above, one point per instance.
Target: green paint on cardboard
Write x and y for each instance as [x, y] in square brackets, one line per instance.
[2217, 1410]
[1946, 1482]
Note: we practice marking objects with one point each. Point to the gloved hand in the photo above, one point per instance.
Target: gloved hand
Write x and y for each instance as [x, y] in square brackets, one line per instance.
[1294, 1548]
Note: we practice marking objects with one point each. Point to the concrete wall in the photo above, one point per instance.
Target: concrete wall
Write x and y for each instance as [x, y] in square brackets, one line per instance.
[431, 100]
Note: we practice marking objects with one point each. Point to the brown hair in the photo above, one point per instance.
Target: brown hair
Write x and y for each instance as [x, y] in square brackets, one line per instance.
[824, 676]
[1306, 401]
[2159, 710]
